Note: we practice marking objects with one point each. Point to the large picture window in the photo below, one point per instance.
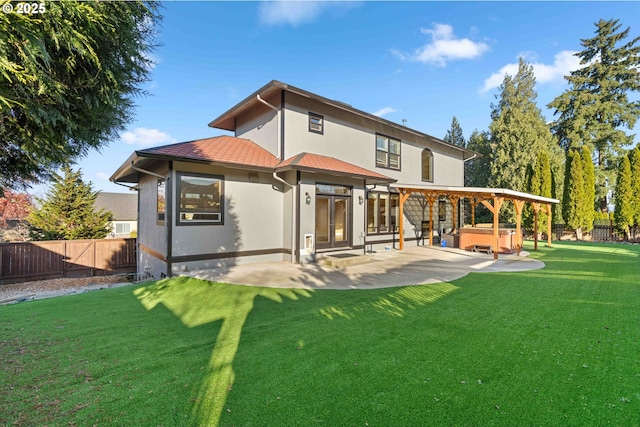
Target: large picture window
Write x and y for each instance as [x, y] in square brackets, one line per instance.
[200, 199]
[382, 212]
[387, 152]
[427, 165]
[161, 207]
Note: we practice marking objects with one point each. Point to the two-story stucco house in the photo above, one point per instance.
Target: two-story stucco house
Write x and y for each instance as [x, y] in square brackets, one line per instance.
[302, 176]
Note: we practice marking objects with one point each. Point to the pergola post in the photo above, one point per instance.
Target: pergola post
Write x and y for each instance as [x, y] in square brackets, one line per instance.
[431, 199]
[473, 201]
[549, 224]
[518, 204]
[536, 208]
[454, 198]
[495, 210]
[404, 195]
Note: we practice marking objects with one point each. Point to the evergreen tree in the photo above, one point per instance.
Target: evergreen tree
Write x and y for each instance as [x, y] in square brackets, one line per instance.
[541, 184]
[518, 134]
[634, 160]
[623, 214]
[596, 109]
[454, 134]
[588, 171]
[68, 80]
[574, 197]
[477, 171]
[68, 211]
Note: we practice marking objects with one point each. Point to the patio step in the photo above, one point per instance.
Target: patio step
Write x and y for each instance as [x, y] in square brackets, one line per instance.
[345, 260]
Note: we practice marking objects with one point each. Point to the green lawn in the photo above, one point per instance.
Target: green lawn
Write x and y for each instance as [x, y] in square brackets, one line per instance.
[557, 346]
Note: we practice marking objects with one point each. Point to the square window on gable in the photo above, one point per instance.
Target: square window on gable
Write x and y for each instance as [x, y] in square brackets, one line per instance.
[316, 123]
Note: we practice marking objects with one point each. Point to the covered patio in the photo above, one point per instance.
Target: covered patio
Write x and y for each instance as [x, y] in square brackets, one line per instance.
[491, 198]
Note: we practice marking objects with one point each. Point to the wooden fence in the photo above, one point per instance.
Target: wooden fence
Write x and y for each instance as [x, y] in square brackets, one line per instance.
[21, 262]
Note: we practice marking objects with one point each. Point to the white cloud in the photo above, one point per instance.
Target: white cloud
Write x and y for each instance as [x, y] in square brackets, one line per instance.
[444, 47]
[383, 111]
[147, 137]
[563, 63]
[297, 12]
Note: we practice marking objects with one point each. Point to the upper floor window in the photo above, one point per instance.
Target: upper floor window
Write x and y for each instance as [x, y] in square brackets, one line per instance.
[160, 205]
[316, 123]
[387, 152]
[200, 199]
[427, 165]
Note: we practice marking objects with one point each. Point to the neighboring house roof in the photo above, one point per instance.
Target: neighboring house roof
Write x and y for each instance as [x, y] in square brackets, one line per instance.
[242, 153]
[227, 120]
[317, 163]
[123, 206]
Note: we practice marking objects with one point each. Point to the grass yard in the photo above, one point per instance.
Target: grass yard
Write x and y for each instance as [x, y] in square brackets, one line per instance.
[557, 346]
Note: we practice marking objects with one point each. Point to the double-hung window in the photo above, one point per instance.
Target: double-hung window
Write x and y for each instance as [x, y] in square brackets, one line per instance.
[382, 212]
[200, 199]
[387, 152]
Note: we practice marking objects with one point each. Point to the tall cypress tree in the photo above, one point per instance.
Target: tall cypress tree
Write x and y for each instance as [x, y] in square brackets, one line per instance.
[588, 170]
[454, 134]
[634, 160]
[68, 212]
[596, 109]
[623, 214]
[573, 200]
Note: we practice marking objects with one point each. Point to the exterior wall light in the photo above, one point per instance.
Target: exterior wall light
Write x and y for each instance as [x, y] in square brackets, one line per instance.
[360, 199]
[308, 198]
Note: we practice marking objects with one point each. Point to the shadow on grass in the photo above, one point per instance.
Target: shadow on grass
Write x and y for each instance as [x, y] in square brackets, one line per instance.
[197, 302]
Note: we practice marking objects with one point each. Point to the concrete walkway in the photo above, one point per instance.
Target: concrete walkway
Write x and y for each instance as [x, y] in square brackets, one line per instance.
[412, 266]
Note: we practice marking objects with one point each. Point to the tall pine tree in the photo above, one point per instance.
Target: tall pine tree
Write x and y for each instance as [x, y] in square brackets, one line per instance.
[596, 108]
[518, 134]
[454, 134]
[68, 211]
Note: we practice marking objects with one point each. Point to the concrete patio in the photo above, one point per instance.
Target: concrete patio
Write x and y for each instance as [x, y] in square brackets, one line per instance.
[412, 266]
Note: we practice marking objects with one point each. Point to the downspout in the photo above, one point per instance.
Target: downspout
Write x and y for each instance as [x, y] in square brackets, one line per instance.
[168, 203]
[297, 212]
[470, 158]
[137, 169]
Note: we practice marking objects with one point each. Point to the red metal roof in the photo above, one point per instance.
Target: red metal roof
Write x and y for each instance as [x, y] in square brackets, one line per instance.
[220, 149]
[244, 152]
[318, 163]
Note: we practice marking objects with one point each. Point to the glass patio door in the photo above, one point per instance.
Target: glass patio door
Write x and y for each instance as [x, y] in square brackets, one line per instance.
[332, 221]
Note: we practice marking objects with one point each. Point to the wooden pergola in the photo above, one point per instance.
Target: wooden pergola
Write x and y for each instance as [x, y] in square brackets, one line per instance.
[492, 198]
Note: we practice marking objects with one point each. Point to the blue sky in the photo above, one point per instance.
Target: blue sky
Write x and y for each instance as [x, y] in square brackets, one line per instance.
[420, 61]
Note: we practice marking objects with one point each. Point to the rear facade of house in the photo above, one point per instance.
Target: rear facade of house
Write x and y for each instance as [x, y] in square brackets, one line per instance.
[301, 177]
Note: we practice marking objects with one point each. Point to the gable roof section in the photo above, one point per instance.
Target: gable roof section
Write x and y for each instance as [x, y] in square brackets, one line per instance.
[316, 163]
[227, 120]
[227, 150]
